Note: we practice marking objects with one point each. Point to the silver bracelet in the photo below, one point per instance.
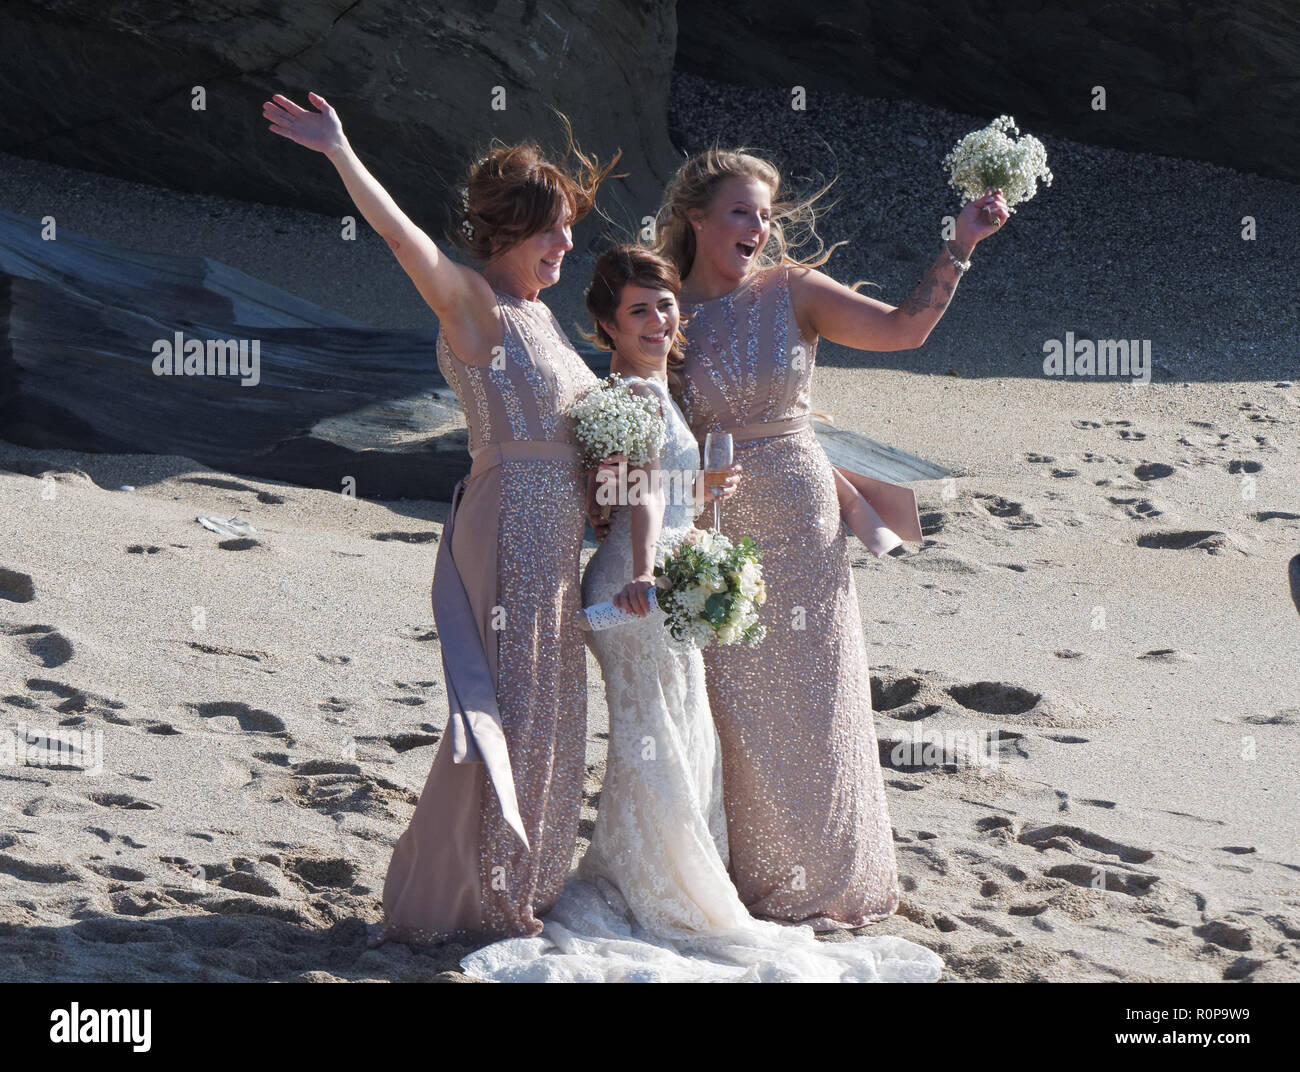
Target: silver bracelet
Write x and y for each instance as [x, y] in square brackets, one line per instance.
[962, 266]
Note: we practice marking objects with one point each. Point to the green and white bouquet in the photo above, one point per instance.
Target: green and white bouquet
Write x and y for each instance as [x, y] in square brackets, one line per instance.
[711, 589]
[991, 159]
[609, 419]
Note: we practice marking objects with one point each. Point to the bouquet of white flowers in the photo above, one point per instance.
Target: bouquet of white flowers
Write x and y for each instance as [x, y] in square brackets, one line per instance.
[989, 159]
[609, 419]
[711, 590]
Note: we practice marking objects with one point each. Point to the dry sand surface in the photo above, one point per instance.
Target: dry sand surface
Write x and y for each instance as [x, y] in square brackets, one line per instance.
[1103, 583]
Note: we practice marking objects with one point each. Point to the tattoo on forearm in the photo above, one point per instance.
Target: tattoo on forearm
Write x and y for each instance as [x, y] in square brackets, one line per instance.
[933, 292]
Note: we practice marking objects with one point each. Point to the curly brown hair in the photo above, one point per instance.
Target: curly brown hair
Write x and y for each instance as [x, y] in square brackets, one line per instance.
[639, 266]
[516, 191]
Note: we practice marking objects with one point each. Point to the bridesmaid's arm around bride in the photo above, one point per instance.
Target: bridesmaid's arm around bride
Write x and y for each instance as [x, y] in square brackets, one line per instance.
[839, 314]
[463, 300]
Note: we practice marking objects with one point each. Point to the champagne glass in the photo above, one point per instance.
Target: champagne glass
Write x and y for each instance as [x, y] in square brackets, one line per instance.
[717, 460]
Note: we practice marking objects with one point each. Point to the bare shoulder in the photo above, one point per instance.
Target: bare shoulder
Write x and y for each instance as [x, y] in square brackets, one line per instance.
[808, 287]
[804, 280]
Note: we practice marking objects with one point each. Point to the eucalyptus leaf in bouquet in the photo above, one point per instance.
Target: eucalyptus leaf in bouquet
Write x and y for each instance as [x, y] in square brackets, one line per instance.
[711, 590]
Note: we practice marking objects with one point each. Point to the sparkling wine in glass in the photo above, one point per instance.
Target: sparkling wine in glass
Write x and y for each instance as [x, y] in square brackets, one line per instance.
[717, 460]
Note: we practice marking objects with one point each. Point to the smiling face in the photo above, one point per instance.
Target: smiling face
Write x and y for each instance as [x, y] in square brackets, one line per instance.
[534, 262]
[735, 227]
[644, 328]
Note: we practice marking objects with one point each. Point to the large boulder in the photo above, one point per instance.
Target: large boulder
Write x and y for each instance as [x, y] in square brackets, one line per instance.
[110, 88]
[1214, 81]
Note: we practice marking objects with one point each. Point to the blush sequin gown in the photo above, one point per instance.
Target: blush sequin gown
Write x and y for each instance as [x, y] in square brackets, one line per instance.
[460, 869]
[808, 826]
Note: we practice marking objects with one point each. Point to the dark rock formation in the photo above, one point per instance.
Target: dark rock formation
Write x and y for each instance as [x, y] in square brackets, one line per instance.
[109, 88]
[80, 321]
[1216, 81]
[330, 403]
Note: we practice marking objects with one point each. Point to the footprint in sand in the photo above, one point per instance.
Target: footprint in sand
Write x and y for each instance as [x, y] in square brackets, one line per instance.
[1136, 508]
[406, 537]
[1092, 876]
[895, 697]
[16, 587]
[1153, 471]
[1069, 838]
[244, 653]
[932, 522]
[43, 643]
[1209, 540]
[404, 742]
[995, 698]
[120, 800]
[336, 786]
[1169, 655]
[1013, 514]
[1287, 716]
[36, 871]
[249, 719]
[74, 701]
[1127, 431]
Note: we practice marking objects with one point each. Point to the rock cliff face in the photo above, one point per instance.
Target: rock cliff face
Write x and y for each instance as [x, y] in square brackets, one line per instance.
[101, 349]
[1217, 80]
[111, 88]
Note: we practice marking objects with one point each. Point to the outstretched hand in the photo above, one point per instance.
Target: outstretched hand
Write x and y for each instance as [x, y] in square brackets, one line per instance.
[320, 130]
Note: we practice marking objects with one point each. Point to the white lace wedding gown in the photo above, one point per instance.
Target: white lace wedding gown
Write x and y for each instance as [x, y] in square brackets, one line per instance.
[651, 900]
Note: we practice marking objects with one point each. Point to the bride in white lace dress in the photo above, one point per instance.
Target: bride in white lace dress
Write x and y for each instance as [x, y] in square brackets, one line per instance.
[651, 901]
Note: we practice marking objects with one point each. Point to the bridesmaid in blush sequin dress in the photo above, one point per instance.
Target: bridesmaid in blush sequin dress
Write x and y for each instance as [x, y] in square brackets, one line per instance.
[459, 868]
[807, 820]
[806, 813]
[494, 832]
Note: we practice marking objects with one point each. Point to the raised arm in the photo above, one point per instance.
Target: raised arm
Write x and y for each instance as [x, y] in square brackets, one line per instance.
[834, 312]
[461, 297]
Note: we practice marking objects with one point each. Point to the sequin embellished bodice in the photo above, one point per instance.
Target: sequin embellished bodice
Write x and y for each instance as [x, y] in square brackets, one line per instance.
[526, 393]
[746, 361]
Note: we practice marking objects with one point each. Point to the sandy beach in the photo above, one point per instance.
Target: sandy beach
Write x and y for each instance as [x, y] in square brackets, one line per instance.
[1103, 585]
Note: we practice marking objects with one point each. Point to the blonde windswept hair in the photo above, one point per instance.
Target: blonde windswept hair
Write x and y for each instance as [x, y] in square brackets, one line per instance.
[696, 182]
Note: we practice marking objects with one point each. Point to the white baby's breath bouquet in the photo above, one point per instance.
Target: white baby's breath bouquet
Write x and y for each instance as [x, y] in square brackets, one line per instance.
[990, 159]
[609, 419]
[711, 589]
